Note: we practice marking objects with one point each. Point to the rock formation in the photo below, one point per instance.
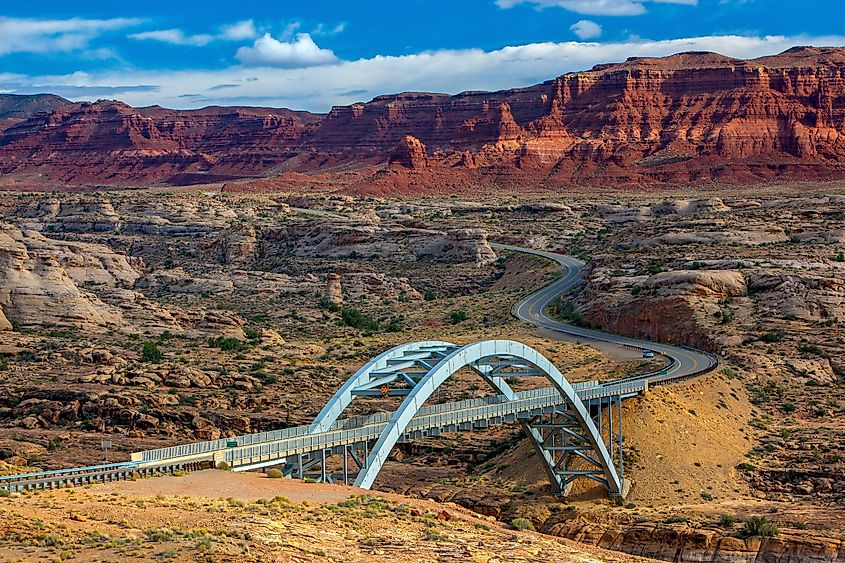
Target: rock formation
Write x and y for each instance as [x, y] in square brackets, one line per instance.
[394, 243]
[4, 322]
[689, 118]
[410, 153]
[333, 292]
[88, 286]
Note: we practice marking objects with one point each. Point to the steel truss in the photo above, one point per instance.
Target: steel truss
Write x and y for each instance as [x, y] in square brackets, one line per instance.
[567, 454]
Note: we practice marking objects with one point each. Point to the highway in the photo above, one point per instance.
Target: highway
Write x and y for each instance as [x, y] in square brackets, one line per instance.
[686, 362]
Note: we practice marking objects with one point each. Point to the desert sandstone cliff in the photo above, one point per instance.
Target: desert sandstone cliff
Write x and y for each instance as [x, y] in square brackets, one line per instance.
[688, 118]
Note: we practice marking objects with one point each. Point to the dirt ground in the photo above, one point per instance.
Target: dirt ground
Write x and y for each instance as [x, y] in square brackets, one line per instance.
[151, 520]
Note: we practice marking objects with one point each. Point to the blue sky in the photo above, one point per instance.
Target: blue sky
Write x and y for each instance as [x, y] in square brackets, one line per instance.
[312, 55]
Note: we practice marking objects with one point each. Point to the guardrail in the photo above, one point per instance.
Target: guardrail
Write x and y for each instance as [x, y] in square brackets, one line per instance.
[490, 410]
[587, 390]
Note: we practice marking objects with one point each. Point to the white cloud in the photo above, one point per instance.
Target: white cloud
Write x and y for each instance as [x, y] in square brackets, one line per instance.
[239, 31]
[20, 35]
[586, 29]
[174, 37]
[300, 52]
[317, 88]
[234, 32]
[326, 30]
[596, 7]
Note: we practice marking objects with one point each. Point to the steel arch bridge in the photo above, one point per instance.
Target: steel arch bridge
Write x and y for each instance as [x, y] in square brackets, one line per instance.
[568, 435]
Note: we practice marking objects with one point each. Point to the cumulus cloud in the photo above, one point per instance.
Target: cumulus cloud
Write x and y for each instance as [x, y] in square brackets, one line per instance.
[317, 88]
[234, 32]
[596, 7]
[586, 29]
[21, 35]
[300, 52]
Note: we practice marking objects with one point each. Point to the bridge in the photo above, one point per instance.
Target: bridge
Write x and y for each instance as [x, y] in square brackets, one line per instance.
[576, 429]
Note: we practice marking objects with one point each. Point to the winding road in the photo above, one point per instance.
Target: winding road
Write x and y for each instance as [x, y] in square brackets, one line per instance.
[685, 362]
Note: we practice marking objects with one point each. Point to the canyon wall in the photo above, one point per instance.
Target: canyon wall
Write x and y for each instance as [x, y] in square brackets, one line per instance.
[690, 118]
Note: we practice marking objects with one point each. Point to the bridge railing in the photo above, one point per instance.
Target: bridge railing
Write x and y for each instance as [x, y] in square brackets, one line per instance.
[211, 446]
[436, 416]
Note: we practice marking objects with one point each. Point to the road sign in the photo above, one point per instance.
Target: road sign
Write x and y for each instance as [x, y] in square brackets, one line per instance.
[232, 444]
[105, 445]
[384, 389]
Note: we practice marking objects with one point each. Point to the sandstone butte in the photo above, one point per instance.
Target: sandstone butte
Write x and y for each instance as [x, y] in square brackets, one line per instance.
[687, 119]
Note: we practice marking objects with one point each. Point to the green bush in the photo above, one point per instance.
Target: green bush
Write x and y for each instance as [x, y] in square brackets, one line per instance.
[775, 335]
[325, 303]
[357, 319]
[226, 343]
[727, 520]
[759, 526]
[429, 296]
[4, 365]
[458, 316]
[522, 524]
[150, 353]
[252, 333]
[636, 290]
[223, 466]
[274, 474]
[840, 257]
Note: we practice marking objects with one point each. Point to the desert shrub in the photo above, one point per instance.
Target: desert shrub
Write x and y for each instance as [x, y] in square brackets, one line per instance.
[4, 365]
[159, 535]
[178, 473]
[326, 303]
[458, 316]
[840, 257]
[5, 493]
[636, 290]
[522, 524]
[677, 519]
[759, 526]
[226, 343]
[727, 520]
[429, 296]
[252, 333]
[150, 353]
[223, 466]
[706, 496]
[775, 335]
[357, 319]
[274, 474]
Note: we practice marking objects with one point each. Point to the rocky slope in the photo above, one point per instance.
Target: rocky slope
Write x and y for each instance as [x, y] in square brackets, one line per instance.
[687, 118]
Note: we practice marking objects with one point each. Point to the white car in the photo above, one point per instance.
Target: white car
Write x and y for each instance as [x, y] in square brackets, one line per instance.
[648, 354]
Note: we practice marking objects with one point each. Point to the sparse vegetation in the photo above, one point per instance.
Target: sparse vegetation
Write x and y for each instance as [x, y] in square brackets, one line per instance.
[758, 526]
[226, 343]
[458, 316]
[150, 353]
[522, 524]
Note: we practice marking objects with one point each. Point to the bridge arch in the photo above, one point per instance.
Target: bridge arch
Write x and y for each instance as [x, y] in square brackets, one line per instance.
[373, 373]
[487, 358]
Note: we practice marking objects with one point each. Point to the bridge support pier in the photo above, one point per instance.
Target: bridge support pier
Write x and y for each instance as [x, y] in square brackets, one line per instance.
[568, 454]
